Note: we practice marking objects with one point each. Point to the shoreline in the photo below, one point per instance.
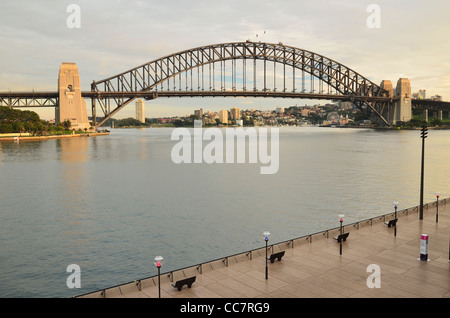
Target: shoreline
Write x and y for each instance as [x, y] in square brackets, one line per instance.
[321, 126]
[31, 138]
[16, 138]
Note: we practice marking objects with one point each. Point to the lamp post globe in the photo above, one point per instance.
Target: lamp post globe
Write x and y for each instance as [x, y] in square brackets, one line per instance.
[158, 262]
[341, 218]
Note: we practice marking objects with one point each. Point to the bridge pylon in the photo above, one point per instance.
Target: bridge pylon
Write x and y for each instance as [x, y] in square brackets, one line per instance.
[402, 110]
[71, 106]
[401, 107]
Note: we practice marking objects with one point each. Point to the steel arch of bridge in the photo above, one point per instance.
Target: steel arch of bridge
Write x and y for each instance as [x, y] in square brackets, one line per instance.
[115, 92]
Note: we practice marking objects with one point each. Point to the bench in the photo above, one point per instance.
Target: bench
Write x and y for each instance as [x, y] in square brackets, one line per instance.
[187, 281]
[342, 237]
[274, 256]
[391, 222]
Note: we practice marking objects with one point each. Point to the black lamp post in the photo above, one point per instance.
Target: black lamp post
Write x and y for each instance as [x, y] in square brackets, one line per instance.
[266, 238]
[437, 205]
[423, 135]
[158, 262]
[395, 218]
[340, 233]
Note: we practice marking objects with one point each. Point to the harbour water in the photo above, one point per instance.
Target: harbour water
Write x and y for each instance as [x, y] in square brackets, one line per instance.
[110, 204]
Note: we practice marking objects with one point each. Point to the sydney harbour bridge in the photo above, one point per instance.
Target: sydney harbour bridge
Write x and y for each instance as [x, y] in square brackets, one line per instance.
[238, 69]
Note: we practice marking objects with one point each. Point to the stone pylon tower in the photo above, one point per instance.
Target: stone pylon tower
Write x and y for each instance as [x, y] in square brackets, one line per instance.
[389, 113]
[403, 110]
[72, 106]
[387, 85]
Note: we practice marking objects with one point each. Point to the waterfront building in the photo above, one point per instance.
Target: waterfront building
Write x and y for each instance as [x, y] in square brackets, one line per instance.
[198, 113]
[235, 113]
[422, 92]
[305, 112]
[223, 116]
[140, 111]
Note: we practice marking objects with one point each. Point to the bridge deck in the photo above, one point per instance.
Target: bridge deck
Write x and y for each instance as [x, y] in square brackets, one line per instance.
[314, 268]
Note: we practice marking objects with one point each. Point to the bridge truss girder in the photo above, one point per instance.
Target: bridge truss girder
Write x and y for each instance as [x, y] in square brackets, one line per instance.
[29, 99]
[153, 75]
[426, 104]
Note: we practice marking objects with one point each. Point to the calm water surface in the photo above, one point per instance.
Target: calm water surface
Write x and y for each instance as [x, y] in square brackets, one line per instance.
[110, 204]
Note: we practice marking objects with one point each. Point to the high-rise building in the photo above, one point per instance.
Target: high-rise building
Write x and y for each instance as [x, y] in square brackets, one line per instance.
[235, 113]
[140, 111]
[423, 93]
[223, 116]
[198, 113]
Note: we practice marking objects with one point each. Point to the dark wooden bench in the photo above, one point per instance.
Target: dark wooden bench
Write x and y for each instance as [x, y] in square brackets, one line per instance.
[274, 256]
[391, 222]
[342, 237]
[187, 281]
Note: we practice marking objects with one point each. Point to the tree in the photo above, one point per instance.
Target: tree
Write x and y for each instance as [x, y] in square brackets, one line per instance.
[6, 128]
[19, 127]
[58, 129]
[315, 118]
[435, 122]
[360, 116]
[67, 124]
[415, 123]
[178, 123]
[128, 122]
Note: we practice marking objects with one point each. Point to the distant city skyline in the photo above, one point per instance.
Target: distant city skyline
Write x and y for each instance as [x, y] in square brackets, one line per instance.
[114, 37]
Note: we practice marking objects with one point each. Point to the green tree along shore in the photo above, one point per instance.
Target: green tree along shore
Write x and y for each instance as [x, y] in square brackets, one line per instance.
[26, 121]
[357, 119]
[127, 122]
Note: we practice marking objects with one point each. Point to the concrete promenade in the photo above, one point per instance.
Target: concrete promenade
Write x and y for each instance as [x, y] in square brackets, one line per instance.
[312, 266]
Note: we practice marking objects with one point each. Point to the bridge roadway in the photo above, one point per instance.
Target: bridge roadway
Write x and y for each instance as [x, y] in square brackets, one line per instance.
[5, 97]
[312, 266]
[50, 98]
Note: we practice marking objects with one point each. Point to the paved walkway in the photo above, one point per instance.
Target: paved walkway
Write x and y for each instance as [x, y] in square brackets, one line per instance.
[314, 267]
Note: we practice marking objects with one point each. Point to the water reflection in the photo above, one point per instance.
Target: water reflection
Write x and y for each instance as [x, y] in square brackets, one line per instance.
[74, 196]
[73, 154]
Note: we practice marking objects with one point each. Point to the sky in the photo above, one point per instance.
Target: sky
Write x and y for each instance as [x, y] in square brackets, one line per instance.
[403, 38]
